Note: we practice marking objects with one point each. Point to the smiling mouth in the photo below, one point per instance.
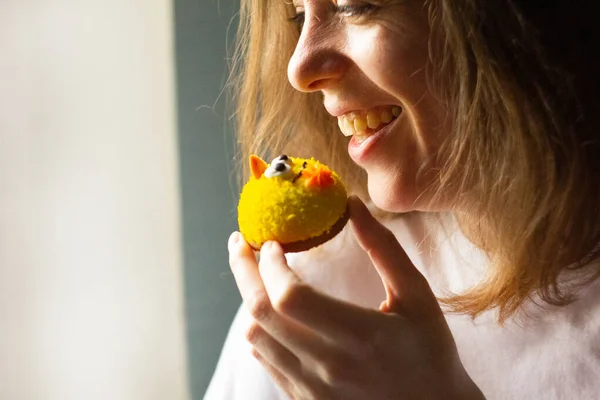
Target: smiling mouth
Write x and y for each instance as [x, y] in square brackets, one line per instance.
[363, 124]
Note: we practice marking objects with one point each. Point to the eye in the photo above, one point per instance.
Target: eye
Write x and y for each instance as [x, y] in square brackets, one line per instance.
[298, 19]
[280, 166]
[282, 157]
[355, 10]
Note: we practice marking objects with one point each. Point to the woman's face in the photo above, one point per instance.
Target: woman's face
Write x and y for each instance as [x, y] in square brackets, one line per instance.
[368, 60]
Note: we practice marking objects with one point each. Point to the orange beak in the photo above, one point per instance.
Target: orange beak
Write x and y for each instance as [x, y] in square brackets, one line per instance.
[318, 176]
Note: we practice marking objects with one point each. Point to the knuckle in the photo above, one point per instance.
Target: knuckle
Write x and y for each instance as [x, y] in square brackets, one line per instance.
[388, 236]
[256, 354]
[259, 306]
[332, 374]
[335, 372]
[253, 333]
[291, 299]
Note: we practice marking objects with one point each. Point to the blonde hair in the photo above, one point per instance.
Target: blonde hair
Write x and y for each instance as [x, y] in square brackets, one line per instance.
[523, 157]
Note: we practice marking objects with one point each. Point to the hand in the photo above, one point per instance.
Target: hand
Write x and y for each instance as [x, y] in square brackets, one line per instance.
[318, 347]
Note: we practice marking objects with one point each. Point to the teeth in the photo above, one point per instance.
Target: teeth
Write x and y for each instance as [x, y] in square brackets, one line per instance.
[348, 127]
[360, 125]
[363, 126]
[386, 116]
[341, 125]
[361, 138]
[373, 119]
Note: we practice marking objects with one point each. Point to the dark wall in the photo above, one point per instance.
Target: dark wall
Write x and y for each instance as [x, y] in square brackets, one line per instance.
[208, 192]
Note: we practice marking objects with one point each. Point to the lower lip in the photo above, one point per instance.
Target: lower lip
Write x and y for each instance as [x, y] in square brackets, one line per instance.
[360, 151]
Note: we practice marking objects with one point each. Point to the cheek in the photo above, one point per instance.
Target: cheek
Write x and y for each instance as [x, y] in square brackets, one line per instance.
[393, 63]
[399, 69]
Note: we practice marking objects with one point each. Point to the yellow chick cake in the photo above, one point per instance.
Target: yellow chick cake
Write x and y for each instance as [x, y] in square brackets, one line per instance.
[297, 202]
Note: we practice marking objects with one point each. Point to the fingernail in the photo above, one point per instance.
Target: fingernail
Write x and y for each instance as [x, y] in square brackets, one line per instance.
[233, 240]
[267, 246]
[270, 247]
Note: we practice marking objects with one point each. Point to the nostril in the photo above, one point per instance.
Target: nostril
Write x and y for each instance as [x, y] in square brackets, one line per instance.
[317, 85]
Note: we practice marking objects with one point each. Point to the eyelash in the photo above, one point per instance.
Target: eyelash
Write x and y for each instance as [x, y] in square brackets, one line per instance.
[348, 11]
[297, 19]
[355, 11]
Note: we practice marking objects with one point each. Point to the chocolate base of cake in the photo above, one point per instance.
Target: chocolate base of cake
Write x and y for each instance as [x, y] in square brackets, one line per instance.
[307, 244]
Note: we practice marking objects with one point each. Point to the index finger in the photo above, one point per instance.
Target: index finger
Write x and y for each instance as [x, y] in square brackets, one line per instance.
[341, 322]
[407, 288]
[260, 305]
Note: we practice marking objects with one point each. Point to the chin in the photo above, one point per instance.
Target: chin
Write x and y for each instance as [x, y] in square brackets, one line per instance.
[392, 195]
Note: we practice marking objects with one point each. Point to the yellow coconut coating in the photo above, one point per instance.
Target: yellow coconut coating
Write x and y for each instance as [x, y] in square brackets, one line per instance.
[291, 207]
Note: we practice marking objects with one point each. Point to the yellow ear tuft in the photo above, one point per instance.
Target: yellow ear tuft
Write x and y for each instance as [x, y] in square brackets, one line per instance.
[257, 166]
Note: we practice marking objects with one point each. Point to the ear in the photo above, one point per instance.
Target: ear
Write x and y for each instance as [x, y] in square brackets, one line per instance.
[257, 166]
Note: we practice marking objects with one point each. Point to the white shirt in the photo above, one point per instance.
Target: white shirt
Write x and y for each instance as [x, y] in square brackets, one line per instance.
[549, 353]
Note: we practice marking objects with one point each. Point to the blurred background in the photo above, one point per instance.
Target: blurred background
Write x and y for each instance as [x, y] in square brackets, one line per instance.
[116, 197]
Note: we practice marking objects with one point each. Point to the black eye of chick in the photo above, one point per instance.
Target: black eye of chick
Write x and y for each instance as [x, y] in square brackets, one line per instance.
[280, 167]
[283, 157]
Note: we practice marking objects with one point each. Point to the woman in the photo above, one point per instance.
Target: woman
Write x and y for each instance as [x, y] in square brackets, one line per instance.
[476, 124]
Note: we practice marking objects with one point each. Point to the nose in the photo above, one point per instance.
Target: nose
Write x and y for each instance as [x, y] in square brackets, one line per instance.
[317, 62]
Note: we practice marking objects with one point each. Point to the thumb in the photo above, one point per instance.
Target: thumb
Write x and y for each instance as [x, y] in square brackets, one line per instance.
[404, 284]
